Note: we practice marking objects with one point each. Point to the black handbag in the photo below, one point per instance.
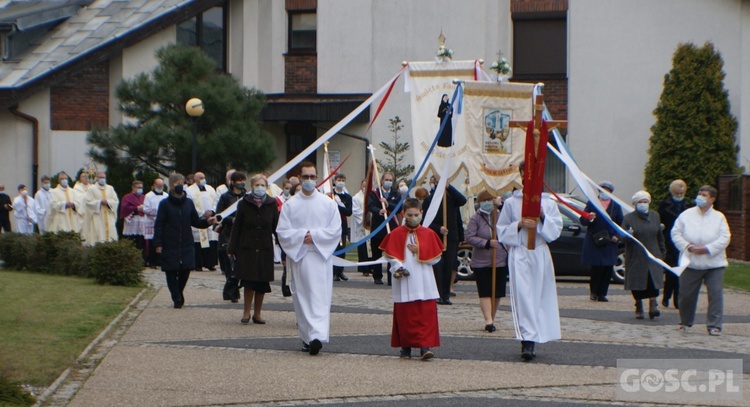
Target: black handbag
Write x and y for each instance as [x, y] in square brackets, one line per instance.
[601, 238]
[285, 290]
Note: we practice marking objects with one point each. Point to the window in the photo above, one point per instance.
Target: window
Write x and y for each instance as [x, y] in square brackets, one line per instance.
[208, 32]
[303, 31]
[539, 44]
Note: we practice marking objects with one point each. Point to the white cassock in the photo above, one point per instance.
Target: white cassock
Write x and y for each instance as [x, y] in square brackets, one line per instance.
[358, 217]
[62, 219]
[150, 207]
[100, 219]
[81, 204]
[203, 201]
[310, 265]
[533, 295]
[41, 200]
[420, 285]
[24, 211]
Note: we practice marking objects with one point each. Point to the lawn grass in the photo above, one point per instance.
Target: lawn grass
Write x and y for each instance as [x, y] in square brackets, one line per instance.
[737, 275]
[46, 321]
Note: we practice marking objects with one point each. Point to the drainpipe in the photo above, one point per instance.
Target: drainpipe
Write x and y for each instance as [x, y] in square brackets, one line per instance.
[35, 145]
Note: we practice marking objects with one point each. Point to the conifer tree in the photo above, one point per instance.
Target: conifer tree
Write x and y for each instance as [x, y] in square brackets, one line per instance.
[158, 135]
[395, 153]
[694, 135]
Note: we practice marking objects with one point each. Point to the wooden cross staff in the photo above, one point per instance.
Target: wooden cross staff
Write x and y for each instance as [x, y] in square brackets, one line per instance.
[534, 159]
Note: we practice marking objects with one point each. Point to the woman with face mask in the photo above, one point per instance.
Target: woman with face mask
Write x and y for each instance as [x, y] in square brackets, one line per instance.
[479, 234]
[669, 209]
[251, 246]
[644, 277]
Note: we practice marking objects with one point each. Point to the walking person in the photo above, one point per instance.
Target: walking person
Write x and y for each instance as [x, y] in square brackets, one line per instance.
[173, 237]
[644, 277]
[24, 210]
[134, 218]
[236, 191]
[479, 234]
[702, 234]
[309, 230]
[344, 202]
[150, 206]
[251, 246]
[600, 243]
[42, 199]
[411, 250]
[101, 212]
[360, 227]
[381, 203]
[6, 206]
[205, 200]
[669, 210]
[65, 213]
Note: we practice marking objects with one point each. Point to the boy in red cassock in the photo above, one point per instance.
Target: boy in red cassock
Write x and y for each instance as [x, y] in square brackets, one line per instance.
[411, 250]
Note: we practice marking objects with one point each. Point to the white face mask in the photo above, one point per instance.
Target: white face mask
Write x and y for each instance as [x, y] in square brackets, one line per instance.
[46, 187]
[102, 181]
[64, 183]
[139, 191]
[260, 192]
[340, 185]
[641, 207]
[701, 202]
[24, 193]
[308, 185]
[202, 183]
[403, 189]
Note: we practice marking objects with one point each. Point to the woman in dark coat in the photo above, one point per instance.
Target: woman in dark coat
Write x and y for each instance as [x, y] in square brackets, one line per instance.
[173, 237]
[669, 210]
[644, 277]
[445, 113]
[601, 255]
[251, 244]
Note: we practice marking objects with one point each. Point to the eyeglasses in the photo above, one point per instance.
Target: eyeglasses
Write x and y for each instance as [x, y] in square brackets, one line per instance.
[313, 177]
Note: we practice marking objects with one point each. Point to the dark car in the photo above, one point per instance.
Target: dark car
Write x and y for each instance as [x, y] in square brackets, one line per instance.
[566, 250]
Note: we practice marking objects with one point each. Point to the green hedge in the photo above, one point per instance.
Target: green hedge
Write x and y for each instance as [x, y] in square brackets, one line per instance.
[113, 263]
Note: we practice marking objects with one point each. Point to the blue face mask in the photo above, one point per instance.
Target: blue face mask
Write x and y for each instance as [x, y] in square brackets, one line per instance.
[486, 206]
[139, 191]
[260, 192]
[701, 202]
[308, 185]
[64, 182]
[676, 199]
[387, 184]
[604, 196]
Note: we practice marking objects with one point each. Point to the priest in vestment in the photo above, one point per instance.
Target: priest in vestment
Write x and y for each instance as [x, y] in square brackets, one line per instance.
[411, 250]
[206, 240]
[533, 295]
[150, 206]
[309, 230]
[41, 199]
[24, 209]
[133, 215]
[82, 185]
[65, 213]
[101, 212]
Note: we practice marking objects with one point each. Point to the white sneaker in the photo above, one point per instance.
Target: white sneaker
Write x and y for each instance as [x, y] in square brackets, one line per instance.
[684, 329]
[714, 331]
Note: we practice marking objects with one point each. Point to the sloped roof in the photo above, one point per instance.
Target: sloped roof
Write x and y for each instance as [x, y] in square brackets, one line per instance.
[94, 34]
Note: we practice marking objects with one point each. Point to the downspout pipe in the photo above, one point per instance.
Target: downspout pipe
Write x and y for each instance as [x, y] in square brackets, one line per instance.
[35, 145]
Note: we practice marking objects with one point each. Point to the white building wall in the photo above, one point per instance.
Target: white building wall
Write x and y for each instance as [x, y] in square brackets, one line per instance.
[262, 43]
[619, 52]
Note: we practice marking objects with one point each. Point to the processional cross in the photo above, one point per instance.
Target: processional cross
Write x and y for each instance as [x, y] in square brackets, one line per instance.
[535, 154]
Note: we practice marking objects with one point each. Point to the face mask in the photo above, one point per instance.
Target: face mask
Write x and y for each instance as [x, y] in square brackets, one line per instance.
[202, 183]
[340, 185]
[102, 181]
[287, 192]
[387, 184]
[64, 182]
[24, 193]
[158, 190]
[486, 206]
[179, 189]
[239, 185]
[260, 192]
[604, 196]
[404, 190]
[308, 185]
[46, 187]
[139, 191]
[642, 207]
[676, 199]
[701, 202]
[415, 221]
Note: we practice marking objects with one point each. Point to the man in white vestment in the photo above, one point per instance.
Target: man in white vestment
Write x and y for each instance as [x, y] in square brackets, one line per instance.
[309, 230]
[150, 207]
[24, 210]
[41, 199]
[359, 231]
[82, 185]
[533, 295]
[206, 240]
[101, 212]
[64, 213]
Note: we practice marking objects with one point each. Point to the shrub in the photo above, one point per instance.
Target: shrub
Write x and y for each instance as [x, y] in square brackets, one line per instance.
[115, 263]
[54, 250]
[16, 250]
[11, 394]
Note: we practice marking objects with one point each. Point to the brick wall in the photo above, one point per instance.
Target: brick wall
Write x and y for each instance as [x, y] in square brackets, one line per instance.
[301, 4]
[530, 6]
[81, 102]
[737, 218]
[301, 74]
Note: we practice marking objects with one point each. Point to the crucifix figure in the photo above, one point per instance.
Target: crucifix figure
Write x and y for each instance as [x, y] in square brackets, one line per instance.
[535, 154]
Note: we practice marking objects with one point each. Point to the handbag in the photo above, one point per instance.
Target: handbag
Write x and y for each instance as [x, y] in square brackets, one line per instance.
[601, 238]
[285, 290]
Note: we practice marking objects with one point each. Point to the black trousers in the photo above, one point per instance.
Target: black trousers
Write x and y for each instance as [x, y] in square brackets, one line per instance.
[176, 282]
[671, 287]
[444, 270]
[362, 256]
[336, 269]
[231, 289]
[377, 270]
[5, 224]
[153, 258]
[600, 278]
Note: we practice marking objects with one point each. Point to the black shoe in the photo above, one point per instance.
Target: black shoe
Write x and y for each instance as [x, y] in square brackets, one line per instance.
[453, 294]
[426, 354]
[315, 347]
[336, 278]
[212, 269]
[405, 353]
[343, 276]
[245, 321]
[179, 303]
[490, 328]
[527, 351]
[379, 281]
[259, 321]
[448, 302]
[603, 299]
[665, 302]
[594, 297]
[305, 347]
[235, 300]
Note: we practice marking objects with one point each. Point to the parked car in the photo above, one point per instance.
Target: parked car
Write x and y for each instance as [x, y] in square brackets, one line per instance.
[566, 250]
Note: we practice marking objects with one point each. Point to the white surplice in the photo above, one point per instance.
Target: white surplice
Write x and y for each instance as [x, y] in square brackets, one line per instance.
[24, 210]
[150, 207]
[204, 201]
[100, 219]
[81, 204]
[420, 285]
[41, 200]
[533, 295]
[310, 265]
[61, 218]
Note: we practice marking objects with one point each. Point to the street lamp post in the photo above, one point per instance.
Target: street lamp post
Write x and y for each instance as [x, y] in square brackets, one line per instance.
[194, 108]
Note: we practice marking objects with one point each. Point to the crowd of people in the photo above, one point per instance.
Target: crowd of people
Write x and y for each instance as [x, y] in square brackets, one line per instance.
[180, 230]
